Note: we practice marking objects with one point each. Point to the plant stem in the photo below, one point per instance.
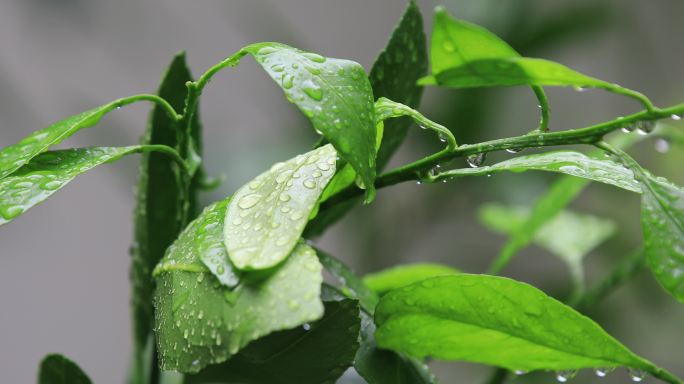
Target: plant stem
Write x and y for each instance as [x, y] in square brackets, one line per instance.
[543, 108]
[165, 149]
[170, 111]
[586, 135]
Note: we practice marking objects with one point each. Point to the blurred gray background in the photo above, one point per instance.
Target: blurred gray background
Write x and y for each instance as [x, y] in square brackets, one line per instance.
[64, 265]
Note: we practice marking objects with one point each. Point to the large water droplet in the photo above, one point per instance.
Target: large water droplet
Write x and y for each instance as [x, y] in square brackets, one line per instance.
[312, 90]
[50, 185]
[287, 81]
[309, 184]
[314, 57]
[645, 127]
[476, 160]
[248, 201]
[676, 117]
[603, 372]
[662, 145]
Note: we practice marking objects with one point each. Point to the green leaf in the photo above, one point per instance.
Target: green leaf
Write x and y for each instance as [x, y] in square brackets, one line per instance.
[381, 366]
[395, 73]
[496, 321]
[209, 244]
[49, 172]
[568, 235]
[567, 162]
[402, 275]
[200, 321]
[662, 221]
[460, 44]
[159, 203]
[57, 369]
[334, 94]
[352, 285]
[388, 109]
[316, 353]
[267, 216]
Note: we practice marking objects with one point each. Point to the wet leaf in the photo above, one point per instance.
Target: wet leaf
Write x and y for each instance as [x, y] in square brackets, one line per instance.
[267, 216]
[402, 275]
[159, 203]
[57, 369]
[662, 221]
[567, 162]
[199, 321]
[16, 155]
[334, 94]
[47, 173]
[496, 321]
[395, 73]
[312, 354]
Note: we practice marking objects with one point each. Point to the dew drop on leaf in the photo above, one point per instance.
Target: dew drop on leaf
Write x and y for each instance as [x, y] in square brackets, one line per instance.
[636, 375]
[475, 161]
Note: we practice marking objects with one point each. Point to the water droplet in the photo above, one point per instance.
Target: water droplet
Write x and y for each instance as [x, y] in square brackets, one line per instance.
[564, 376]
[442, 138]
[579, 89]
[514, 150]
[316, 58]
[636, 375]
[220, 269]
[476, 160]
[603, 372]
[448, 46]
[306, 326]
[50, 185]
[519, 372]
[266, 51]
[676, 117]
[312, 90]
[296, 216]
[284, 197]
[662, 145]
[278, 68]
[200, 277]
[309, 184]
[282, 240]
[323, 166]
[287, 81]
[292, 304]
[9, 212]
[645, 127]
[248, 201]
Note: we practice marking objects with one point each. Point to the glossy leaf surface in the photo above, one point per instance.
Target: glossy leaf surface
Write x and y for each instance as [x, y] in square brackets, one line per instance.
[334, 94]
[662, 221]
[402, 275]
[496, 321]
[352, 285]
[395, 73]
[200, 322]
[316, 353]
[567, 162]
[267, 216]
[57, 369]
[158, 200]
[49, 172]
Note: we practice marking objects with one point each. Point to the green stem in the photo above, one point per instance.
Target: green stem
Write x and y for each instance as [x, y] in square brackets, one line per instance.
[587, 135]
[632, 94]
[544, 108]
[170, 111]
[165, 149]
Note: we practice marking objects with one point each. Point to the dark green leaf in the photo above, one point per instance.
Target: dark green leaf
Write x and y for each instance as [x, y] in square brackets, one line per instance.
[567, 162]
[267, 216]
[395, 73]
[497, 321]
[316, 353]
[351, 284]
[159, 203]
[381, 366]
[662, 221]
[335, 94]
[402, 275]
[48, 172]
[57, 369]
[200, 321]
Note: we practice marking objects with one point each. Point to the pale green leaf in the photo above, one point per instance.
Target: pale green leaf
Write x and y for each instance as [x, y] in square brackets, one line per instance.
[209, 244]
[48, 172]
[402, 275]
[200, 322]
[496, 321]
[57, 369]
[334, 94]
[267, 216]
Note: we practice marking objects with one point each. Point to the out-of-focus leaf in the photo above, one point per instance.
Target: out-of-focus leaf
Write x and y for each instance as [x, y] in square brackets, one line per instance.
[352, 285]
[57, 369]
